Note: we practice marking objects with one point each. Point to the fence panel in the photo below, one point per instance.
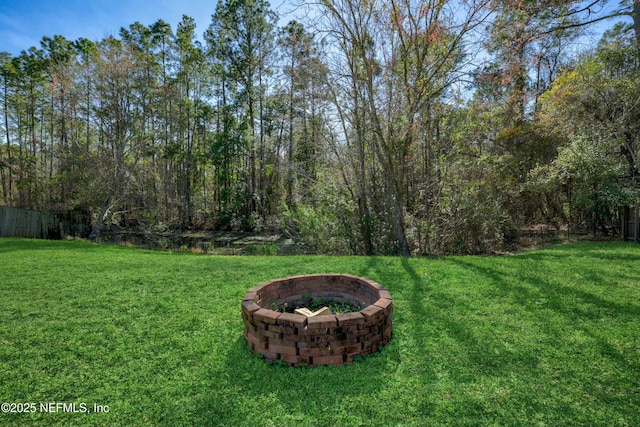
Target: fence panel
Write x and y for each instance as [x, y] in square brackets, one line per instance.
[18, 222]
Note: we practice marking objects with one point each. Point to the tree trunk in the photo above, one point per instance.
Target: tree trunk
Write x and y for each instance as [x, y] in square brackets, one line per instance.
[6, 195]
[398, 224]
[392, 177]
[361, 174]
[290, 146]
[635, 14]
[104, 214]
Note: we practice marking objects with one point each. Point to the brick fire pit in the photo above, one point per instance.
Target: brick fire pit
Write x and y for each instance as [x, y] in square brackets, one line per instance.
[318, 340]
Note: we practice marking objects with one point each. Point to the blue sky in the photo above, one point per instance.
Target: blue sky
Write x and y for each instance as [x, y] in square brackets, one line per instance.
[23, 23]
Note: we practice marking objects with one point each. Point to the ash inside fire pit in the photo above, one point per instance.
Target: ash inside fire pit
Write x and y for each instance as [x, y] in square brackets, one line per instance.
[359, 322]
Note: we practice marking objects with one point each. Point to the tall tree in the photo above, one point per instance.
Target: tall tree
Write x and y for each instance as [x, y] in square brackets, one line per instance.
[408, 54]
[596, 107]
[115, 179]
[163, 40]
[8, 76]
[60, 57]
[30, 99]
[526, 41]
[149, 114]
[242, 36]
[87, 54]
[303, 70]
[228, 147]
[191, 82]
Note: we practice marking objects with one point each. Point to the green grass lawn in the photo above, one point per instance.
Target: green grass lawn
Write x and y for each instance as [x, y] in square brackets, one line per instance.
[550, 337]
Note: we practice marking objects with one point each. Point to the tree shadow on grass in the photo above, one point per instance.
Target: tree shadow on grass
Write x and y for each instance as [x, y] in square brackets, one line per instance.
[446, 346]
[455, 328]
[445, 362]
[561, 309]
[573, 302]
[609, 251]
[245, 390]
[528, 346]
[441, 330]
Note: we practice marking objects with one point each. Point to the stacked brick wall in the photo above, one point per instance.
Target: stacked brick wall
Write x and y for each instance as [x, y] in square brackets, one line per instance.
[320, 340]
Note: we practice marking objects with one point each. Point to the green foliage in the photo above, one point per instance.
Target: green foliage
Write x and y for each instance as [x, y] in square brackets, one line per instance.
[306, 301]
[472, 217]
[546, 337]
[263, 249]
[594, 106]
[359, 142]
[326, 226]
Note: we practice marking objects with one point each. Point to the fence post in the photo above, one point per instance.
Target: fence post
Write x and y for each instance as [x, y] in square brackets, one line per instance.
[636, 231]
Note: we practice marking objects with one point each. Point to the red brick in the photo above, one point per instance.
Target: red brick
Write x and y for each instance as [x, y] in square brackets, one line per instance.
[350, 357]
[293, 320]
[353, 348]
[362, 333]
[250, 307]
[307, 343]
[370, 313]
[287, 330]
[250, 331]
[371, 346]
[297, 279]
[384, 303]
[315, 351]
[292, 359]
[266, 316]
[328, 360]
[271, 355]
[282, 349]
[304, 359]
[342, 279]
[384, 294]
[255, 343]
[320, 341]
[371, 283]
[249, 296]
[350, 330]
[257, 324]
[271, 334]
[345, 342]
[350, 319]
[258, 288]
[387, 333]
[319, 322]
[275, 340]
[297, 338]
[310, 332]
[325, 340]
[343, 296]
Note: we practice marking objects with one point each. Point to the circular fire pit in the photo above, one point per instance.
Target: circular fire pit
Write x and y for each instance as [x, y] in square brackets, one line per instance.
[317, 339]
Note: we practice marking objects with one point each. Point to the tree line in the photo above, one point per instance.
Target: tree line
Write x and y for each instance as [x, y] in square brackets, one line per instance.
[377, 127]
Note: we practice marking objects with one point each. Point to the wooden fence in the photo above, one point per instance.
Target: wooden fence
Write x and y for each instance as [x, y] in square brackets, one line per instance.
[18, 222]
[631, 223]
